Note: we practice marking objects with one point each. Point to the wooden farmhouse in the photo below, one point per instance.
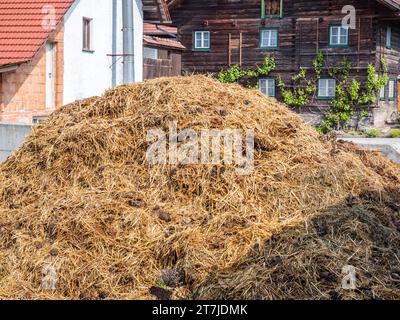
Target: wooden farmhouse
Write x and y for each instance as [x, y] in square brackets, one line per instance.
[222, 33]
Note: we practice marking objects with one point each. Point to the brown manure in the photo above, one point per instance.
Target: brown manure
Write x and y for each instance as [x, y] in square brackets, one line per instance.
[84, 216]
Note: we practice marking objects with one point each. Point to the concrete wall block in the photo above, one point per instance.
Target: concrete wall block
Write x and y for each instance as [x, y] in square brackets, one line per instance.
[11, 138]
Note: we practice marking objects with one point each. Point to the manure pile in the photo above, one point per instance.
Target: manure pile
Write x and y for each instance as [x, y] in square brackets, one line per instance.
[80, 204]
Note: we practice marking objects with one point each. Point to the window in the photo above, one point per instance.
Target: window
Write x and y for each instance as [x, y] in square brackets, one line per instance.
[87, 34]
[150, 53]
[382, 94]
[38, 120]
[271, 8]
[326, 88]
[201, 40]
[388, 37]
[269, 38]
[391, 90]
[267, 86]
[338, 36]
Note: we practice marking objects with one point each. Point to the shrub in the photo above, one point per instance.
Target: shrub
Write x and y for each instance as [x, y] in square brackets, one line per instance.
[373, 133]
[394, 133]
[319, 130]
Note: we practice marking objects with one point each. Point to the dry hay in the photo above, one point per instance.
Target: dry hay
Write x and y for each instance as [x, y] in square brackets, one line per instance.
[79, 196]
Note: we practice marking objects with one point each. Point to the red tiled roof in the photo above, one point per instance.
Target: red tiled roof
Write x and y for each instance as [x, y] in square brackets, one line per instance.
[163, 42]
[21, 30]
[151, 29]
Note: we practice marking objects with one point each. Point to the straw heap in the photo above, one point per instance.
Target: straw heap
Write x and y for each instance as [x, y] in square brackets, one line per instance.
[80, 200]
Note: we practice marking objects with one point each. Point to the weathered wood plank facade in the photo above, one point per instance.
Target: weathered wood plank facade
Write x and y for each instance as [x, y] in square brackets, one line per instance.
[303, 30]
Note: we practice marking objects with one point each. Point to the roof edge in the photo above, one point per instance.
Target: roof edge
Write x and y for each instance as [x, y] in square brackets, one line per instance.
[393, 4]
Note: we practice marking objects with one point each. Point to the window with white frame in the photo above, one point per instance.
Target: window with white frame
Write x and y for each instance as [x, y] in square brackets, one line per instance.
[38, 119]
[382, 94]
[269, 38]
[201, 40]
[326, 88]
[388, 37]
[87, 34]
[267, 86]
[391, 90]
[338, 36]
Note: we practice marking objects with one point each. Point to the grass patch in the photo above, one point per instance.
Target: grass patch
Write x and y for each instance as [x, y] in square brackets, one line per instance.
[394, 133]
[374, 133]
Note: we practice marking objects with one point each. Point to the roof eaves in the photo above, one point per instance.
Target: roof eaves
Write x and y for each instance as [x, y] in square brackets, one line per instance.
[393, 4]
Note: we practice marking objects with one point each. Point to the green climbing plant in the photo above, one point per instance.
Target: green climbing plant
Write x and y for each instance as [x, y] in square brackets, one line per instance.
[303, 88]
[238, 74]
[301, 92]
[351, 97]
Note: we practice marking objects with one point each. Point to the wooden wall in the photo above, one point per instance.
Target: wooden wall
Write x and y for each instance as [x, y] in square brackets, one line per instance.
[156, 68]
[388, 109]
[303, 31]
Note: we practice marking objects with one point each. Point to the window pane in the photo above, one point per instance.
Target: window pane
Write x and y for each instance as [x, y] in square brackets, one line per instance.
[269, 38]
[388, 37]
[271, 87]
[331, 88]
[326, 88]
[269, 35]
[339, 35]
[150, 53]
[272, 7]
[88, 33]
[202, 39]
[391, 89]
[206, 40]
[382, 93]
[334, 39]
[85, 34]
[84, 37]
[271, 92]
[334, 35]
[322, 87]
[198, 41]
[274, 38]
[344, 35]
[263, 86]
[267, 87]
[264, 39]
[265, 35]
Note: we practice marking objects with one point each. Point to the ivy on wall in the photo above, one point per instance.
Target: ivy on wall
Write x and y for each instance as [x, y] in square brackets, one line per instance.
[350, 100]
[351, 97]
[304, 86]
[247, 76]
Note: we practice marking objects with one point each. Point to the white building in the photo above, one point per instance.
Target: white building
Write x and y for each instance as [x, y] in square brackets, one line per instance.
[74, 51]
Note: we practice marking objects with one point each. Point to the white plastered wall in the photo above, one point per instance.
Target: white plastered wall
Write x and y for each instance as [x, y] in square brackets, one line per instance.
[89, 74]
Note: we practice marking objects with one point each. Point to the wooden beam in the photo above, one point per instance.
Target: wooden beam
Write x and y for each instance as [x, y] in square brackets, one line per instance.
[240, 48]
[8, 68]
